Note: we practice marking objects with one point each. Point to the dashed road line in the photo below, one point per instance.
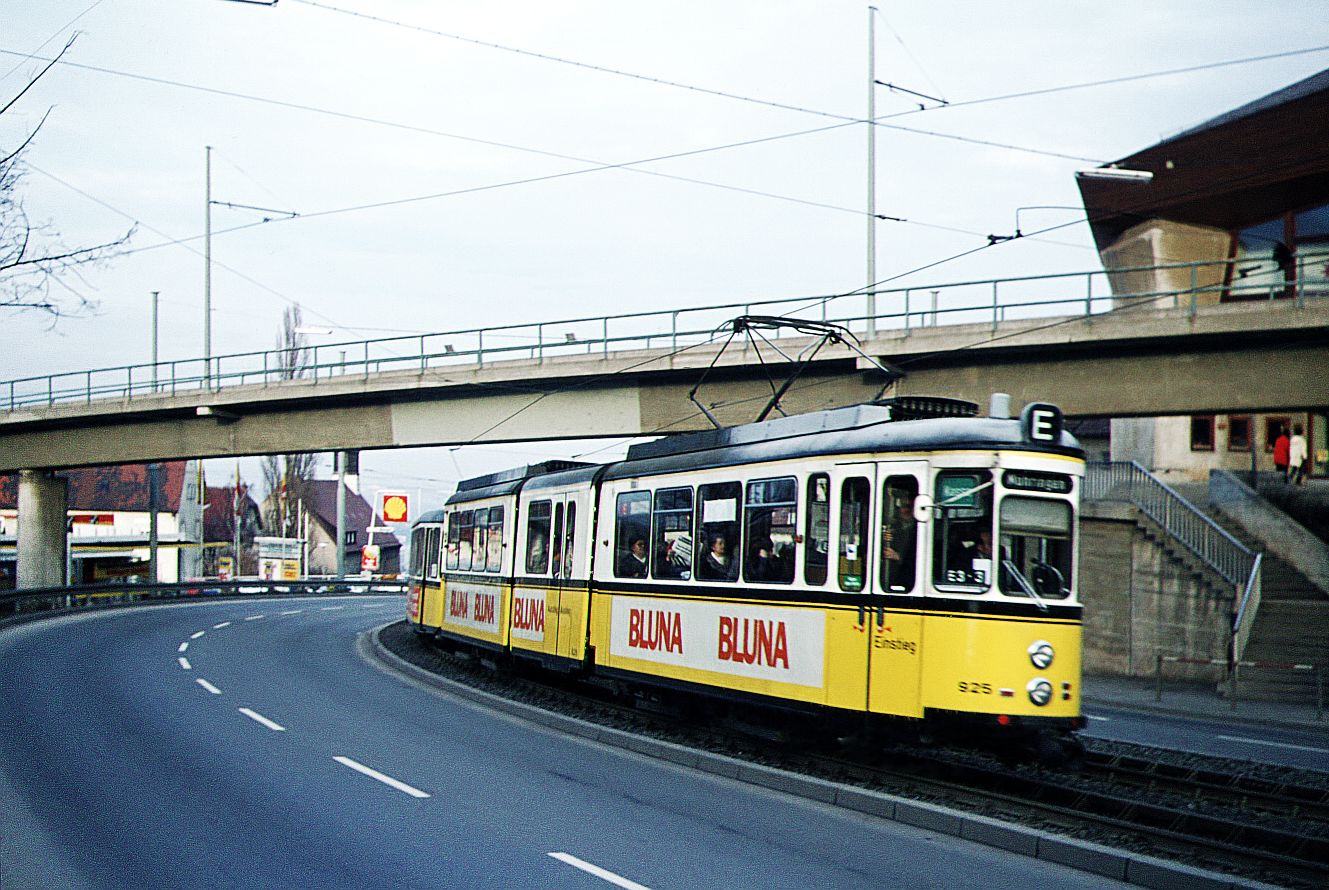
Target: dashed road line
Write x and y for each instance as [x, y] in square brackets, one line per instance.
[385, 779]
[602, 874]
[260, 719]
[208, 686]
[331, 608]
[184, 663]
[254, 617]
[195, 636]
[1233, 738]
[183, 647]
[220, 626]
[1100, 719]
[293, 612]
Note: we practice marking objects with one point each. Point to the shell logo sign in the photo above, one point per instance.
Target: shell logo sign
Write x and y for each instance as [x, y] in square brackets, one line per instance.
[394, 506]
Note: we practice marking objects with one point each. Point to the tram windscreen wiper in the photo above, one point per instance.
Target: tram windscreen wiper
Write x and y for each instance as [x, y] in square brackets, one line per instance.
[1024, 584]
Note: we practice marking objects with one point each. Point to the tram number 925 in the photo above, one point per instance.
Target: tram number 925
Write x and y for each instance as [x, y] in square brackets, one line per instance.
[974, 687]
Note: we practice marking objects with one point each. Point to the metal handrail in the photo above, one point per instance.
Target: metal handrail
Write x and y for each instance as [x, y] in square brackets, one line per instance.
[1244, 622]
[1209, 542]
[965, 302]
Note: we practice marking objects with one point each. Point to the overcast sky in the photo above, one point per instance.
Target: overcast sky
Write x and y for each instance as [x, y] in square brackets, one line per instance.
[317, 107]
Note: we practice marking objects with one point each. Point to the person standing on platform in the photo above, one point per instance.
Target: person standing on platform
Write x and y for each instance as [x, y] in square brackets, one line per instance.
[1282, 446]
[1297, 454]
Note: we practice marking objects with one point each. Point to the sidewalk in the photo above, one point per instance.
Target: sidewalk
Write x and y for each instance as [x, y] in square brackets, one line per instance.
[1200, 701]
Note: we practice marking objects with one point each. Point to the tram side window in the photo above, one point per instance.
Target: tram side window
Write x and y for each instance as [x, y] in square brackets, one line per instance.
[556, 552]
[718, 556]
[899, 534]
[479, 539]
[770, 514]
[454, 543]
[962, 548]
[1036, 539]
[465, 521]
[817, 556]
[569, 531]
[537, 538]
[494, 551]
[416, 551]
[672, 543]
[429, 558]
[855, 510]
[632, 529]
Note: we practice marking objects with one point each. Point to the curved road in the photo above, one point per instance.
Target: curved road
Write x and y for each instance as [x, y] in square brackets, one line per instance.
[246, 744]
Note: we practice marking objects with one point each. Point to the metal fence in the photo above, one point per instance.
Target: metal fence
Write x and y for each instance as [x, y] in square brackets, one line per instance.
[903, 310]
[51, 601]
[1201, 536]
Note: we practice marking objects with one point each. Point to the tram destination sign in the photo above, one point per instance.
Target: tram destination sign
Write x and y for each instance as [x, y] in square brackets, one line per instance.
[1028, 480]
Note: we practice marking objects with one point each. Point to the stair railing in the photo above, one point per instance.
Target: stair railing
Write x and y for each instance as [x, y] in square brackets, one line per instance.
[1211, 544]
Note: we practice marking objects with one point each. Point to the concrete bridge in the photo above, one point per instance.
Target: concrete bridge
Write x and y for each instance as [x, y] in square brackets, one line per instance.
[1149, 355]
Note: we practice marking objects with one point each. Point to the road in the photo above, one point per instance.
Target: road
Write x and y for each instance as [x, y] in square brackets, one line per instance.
[247, 744]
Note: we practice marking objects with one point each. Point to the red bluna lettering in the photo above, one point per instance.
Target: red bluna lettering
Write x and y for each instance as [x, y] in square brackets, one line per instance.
[634, 628]
[726, 652]
[781, 647]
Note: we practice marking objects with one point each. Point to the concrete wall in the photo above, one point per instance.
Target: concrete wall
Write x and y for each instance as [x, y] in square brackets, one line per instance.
[1139, 601]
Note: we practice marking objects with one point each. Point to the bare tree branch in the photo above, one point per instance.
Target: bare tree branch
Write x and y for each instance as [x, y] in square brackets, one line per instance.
[32, 256]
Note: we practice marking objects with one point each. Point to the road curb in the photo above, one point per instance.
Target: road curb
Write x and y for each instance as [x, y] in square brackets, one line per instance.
[1121, 865]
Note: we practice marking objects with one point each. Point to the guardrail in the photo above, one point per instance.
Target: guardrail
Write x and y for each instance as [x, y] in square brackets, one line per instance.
[51, 601]
[905, 309]
[1234, 675]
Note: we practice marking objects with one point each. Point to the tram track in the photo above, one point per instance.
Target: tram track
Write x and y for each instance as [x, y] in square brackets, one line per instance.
[1204, 812]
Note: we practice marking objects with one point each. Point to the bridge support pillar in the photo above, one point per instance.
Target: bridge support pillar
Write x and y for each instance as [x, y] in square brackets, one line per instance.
[42, 526]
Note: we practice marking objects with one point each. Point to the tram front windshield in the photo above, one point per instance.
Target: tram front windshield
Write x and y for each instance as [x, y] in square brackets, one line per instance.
[1029, 555]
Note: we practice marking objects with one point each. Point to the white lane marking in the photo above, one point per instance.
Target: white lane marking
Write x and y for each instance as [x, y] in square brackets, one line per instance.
[1101, 719]
[254, 617]
[208, 686]
[184, 647]
[195, 636]
[1232, 738]
[220, 626]
[259, 718]
[293, 612]
[602, 874]
[386, 780]
[184, 663]
[331, 608]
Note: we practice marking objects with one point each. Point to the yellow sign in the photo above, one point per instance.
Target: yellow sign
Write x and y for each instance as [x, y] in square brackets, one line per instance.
[369, 558]
[290, 569]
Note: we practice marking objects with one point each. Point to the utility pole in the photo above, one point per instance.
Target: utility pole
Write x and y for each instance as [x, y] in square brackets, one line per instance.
[154, 341]
[154, 499]
[872, 172]
[341, 515]
[207, 271]
[239, 518]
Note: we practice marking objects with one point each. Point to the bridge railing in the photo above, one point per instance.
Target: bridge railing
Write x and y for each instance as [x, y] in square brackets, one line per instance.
[900, 310]
[51, 601]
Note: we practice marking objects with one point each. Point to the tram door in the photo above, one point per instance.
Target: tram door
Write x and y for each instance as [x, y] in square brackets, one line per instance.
[896, 624]
[565, 602]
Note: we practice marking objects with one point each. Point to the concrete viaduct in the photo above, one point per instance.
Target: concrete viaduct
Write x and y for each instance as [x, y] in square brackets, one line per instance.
[1246, 356]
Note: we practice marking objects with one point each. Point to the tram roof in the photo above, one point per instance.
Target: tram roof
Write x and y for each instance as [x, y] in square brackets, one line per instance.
[859, 429]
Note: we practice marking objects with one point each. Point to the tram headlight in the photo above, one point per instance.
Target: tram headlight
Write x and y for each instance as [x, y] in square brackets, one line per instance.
[1041, 654]
[1040, 691]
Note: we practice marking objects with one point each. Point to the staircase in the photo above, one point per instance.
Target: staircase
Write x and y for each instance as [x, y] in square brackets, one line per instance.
[1291, 614]
[1292, 626]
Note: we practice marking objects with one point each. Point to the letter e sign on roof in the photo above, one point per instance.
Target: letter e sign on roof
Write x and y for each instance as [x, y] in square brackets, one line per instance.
[1040, 422]
[394, 506]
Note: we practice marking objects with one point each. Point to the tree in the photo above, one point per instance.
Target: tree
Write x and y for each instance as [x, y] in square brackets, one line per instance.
[285, 475]
[32, 256]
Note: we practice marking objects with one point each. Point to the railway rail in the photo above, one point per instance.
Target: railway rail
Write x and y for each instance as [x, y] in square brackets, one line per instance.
[1205, 812]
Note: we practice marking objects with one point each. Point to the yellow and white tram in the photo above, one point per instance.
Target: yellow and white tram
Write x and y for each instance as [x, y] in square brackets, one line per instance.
[900, 558]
